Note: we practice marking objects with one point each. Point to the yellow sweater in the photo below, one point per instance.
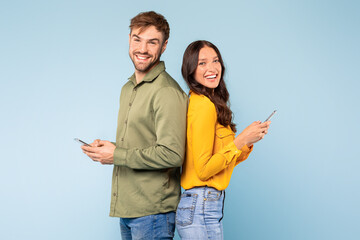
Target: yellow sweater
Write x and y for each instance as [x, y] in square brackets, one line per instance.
[211, 154]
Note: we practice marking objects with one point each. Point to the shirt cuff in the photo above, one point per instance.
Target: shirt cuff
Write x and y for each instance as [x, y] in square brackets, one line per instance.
[120, 156]
[246, 150]
[233, 151]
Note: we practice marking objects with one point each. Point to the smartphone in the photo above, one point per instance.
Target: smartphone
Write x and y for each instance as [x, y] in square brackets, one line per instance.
[82, 142]
[270, 116]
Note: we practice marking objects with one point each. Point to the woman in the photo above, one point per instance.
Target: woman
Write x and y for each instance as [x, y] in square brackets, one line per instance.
[212, 149]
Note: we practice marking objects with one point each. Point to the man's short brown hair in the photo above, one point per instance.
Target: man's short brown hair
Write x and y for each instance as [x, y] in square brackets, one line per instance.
[146, 19]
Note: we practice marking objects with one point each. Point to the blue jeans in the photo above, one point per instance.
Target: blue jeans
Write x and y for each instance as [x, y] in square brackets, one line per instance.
[158, 226]
[199, 214]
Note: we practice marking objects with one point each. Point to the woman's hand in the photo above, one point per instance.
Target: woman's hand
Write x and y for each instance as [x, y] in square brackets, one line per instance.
[252, 134]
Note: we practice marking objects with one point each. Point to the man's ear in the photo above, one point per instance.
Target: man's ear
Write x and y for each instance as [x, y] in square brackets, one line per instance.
[129, 37]
[164, 46]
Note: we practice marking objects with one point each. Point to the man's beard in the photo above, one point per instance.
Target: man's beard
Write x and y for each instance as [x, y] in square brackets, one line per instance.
[145, 67]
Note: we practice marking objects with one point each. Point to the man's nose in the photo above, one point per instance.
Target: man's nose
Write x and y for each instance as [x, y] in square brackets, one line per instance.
[143, 47]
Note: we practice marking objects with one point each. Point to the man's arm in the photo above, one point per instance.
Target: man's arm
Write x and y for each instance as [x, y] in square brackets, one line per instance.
[170, 107]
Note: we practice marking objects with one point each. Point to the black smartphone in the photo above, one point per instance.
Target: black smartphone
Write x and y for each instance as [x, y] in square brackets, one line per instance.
[82, 142]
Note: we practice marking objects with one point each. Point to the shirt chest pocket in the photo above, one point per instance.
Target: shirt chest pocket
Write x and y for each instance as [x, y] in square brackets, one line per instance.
[223, 136]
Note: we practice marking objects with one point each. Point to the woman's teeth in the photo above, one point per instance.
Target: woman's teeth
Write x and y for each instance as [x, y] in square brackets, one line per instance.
[211, 77]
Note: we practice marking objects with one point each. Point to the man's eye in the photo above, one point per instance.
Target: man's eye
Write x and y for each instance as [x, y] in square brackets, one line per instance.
[136, 40]
[152, 43]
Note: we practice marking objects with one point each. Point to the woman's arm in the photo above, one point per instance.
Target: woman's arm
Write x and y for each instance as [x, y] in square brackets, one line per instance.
[202, 125]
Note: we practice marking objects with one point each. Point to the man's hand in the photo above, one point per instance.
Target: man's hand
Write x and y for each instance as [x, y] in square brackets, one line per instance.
[100, 151]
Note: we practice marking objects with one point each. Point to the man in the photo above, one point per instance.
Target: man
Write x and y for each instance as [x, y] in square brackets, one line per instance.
[150, 140]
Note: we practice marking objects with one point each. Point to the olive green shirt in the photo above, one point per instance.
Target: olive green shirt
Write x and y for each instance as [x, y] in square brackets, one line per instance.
[150, 146]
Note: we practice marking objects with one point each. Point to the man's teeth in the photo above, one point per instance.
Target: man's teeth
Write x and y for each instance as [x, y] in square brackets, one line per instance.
[211, 77]
[142, 58]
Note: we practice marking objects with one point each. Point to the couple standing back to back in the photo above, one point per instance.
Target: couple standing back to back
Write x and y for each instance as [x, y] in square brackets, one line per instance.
[157, 123]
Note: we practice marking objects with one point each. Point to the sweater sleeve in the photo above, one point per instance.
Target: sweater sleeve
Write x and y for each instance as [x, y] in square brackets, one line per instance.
[202, 119]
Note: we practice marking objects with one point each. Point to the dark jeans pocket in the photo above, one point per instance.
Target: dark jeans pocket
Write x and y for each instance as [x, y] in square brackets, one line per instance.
[186, 208]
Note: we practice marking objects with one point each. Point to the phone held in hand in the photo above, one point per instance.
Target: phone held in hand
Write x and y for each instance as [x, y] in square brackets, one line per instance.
[82, 142]
[272, 114]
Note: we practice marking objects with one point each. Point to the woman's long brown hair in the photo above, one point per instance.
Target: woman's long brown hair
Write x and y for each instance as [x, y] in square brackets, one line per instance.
[220, 95]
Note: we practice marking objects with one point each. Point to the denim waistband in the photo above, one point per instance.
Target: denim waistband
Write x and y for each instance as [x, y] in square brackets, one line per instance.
[203, 189]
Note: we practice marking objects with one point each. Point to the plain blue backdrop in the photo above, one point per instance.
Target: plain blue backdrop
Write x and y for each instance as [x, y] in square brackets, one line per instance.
[63, 63]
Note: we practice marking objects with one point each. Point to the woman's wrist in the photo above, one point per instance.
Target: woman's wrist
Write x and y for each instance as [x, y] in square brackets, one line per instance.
[240, 142]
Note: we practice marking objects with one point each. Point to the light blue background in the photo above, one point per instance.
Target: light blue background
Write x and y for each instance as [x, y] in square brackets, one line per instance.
[62, 65]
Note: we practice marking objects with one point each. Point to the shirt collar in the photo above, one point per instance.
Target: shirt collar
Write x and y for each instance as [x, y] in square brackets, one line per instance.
[153, 74]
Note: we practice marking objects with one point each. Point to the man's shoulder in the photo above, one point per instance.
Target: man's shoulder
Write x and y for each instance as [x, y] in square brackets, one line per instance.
[128, 86]
[165, 80]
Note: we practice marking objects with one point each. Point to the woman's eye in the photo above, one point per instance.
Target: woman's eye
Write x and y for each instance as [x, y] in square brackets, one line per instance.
[201, 63]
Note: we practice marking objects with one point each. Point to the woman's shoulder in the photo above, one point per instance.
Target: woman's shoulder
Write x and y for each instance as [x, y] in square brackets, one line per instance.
[199, 103]
[199, 99]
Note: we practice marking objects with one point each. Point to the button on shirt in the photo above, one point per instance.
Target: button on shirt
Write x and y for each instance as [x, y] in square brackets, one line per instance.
[150, 146]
